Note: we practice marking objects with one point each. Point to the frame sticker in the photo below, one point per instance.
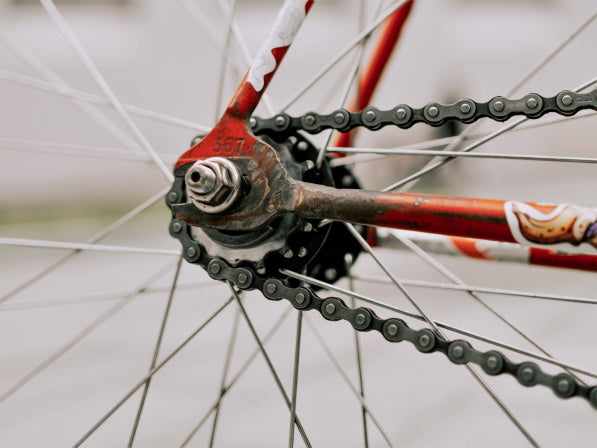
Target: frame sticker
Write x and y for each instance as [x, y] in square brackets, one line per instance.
[565, 227]
[287, 24]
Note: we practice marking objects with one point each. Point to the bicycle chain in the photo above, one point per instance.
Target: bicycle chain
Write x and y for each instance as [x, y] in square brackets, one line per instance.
[333, 308]
[466, 110]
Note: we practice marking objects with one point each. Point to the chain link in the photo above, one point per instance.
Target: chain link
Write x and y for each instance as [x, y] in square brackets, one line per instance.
[395, 330]
[498, 108]
[425, 340]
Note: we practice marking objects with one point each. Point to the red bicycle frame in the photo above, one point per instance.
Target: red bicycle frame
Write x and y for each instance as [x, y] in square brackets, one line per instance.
[563, 227]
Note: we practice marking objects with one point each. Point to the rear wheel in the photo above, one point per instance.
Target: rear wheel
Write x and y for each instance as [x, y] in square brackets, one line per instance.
[83, 331]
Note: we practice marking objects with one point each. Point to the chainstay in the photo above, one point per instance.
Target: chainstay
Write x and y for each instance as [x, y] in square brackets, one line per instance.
[425, 340]
[466, 110]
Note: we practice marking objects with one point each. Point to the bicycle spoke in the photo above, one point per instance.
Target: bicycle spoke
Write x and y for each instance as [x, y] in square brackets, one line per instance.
[477, 155]
[330, 354]
[205, 26]
[445, 326]
[207, 29]
[224, 61]
[270, 366]
[156, 350]
[552, 54]
[45, 72]
[431, 322]
[73, 150]
[295, 369]
[353, 73]
[153, 371]
[97, 99]
[244, 51]
[454, 278]
[83, 334]
[517, 423]
[92, 298]
[357, 350]
[24, 242]
[445, 141]
[221, 28]
[481, 289]
[94, 239]
[356, 41]
[433, 166]
[229, 352]
[272, 331]
[460, 138]
[101, 82]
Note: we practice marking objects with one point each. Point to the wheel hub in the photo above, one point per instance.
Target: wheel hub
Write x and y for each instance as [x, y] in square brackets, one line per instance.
[285, 241]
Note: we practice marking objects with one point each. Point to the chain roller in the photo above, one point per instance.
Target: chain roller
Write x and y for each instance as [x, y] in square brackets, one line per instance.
[396, 330]
[466, 110]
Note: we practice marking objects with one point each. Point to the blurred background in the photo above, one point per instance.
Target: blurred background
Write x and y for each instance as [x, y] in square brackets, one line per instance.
[63, 177]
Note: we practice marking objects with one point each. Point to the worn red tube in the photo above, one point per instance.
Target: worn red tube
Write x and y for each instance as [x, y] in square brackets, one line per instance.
[562, 227]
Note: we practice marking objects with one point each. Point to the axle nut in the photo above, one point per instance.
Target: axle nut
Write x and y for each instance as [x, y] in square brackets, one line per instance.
[213, 184]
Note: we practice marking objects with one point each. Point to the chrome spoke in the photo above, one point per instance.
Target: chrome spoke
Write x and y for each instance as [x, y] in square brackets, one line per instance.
[83, 334]
[94, 239]
[272, 331]
[297, 356]
[224, 61]
[356, 41]
[73, 150]
[45, 72]
[92, 298]
[552, 54]
[456, 154]
[457, 280]
[153, 371]
[205, 26]
[101, 82]
[330, 354]
[234, 57]
[359, 357]
[295, 372]
[229, 352]
[434, 165]
[353, 73]
[156, 351]
[480, 289]
[392, 277]
[270, 366]
[345, 91]
[245, 54]
[24, 242]
[433, 325]
[517, 423]
[445, 326]
[97, 99]
[437, 144]
[460, 138]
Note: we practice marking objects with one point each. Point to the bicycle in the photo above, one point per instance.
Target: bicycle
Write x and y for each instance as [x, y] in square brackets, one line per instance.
[219, 187]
